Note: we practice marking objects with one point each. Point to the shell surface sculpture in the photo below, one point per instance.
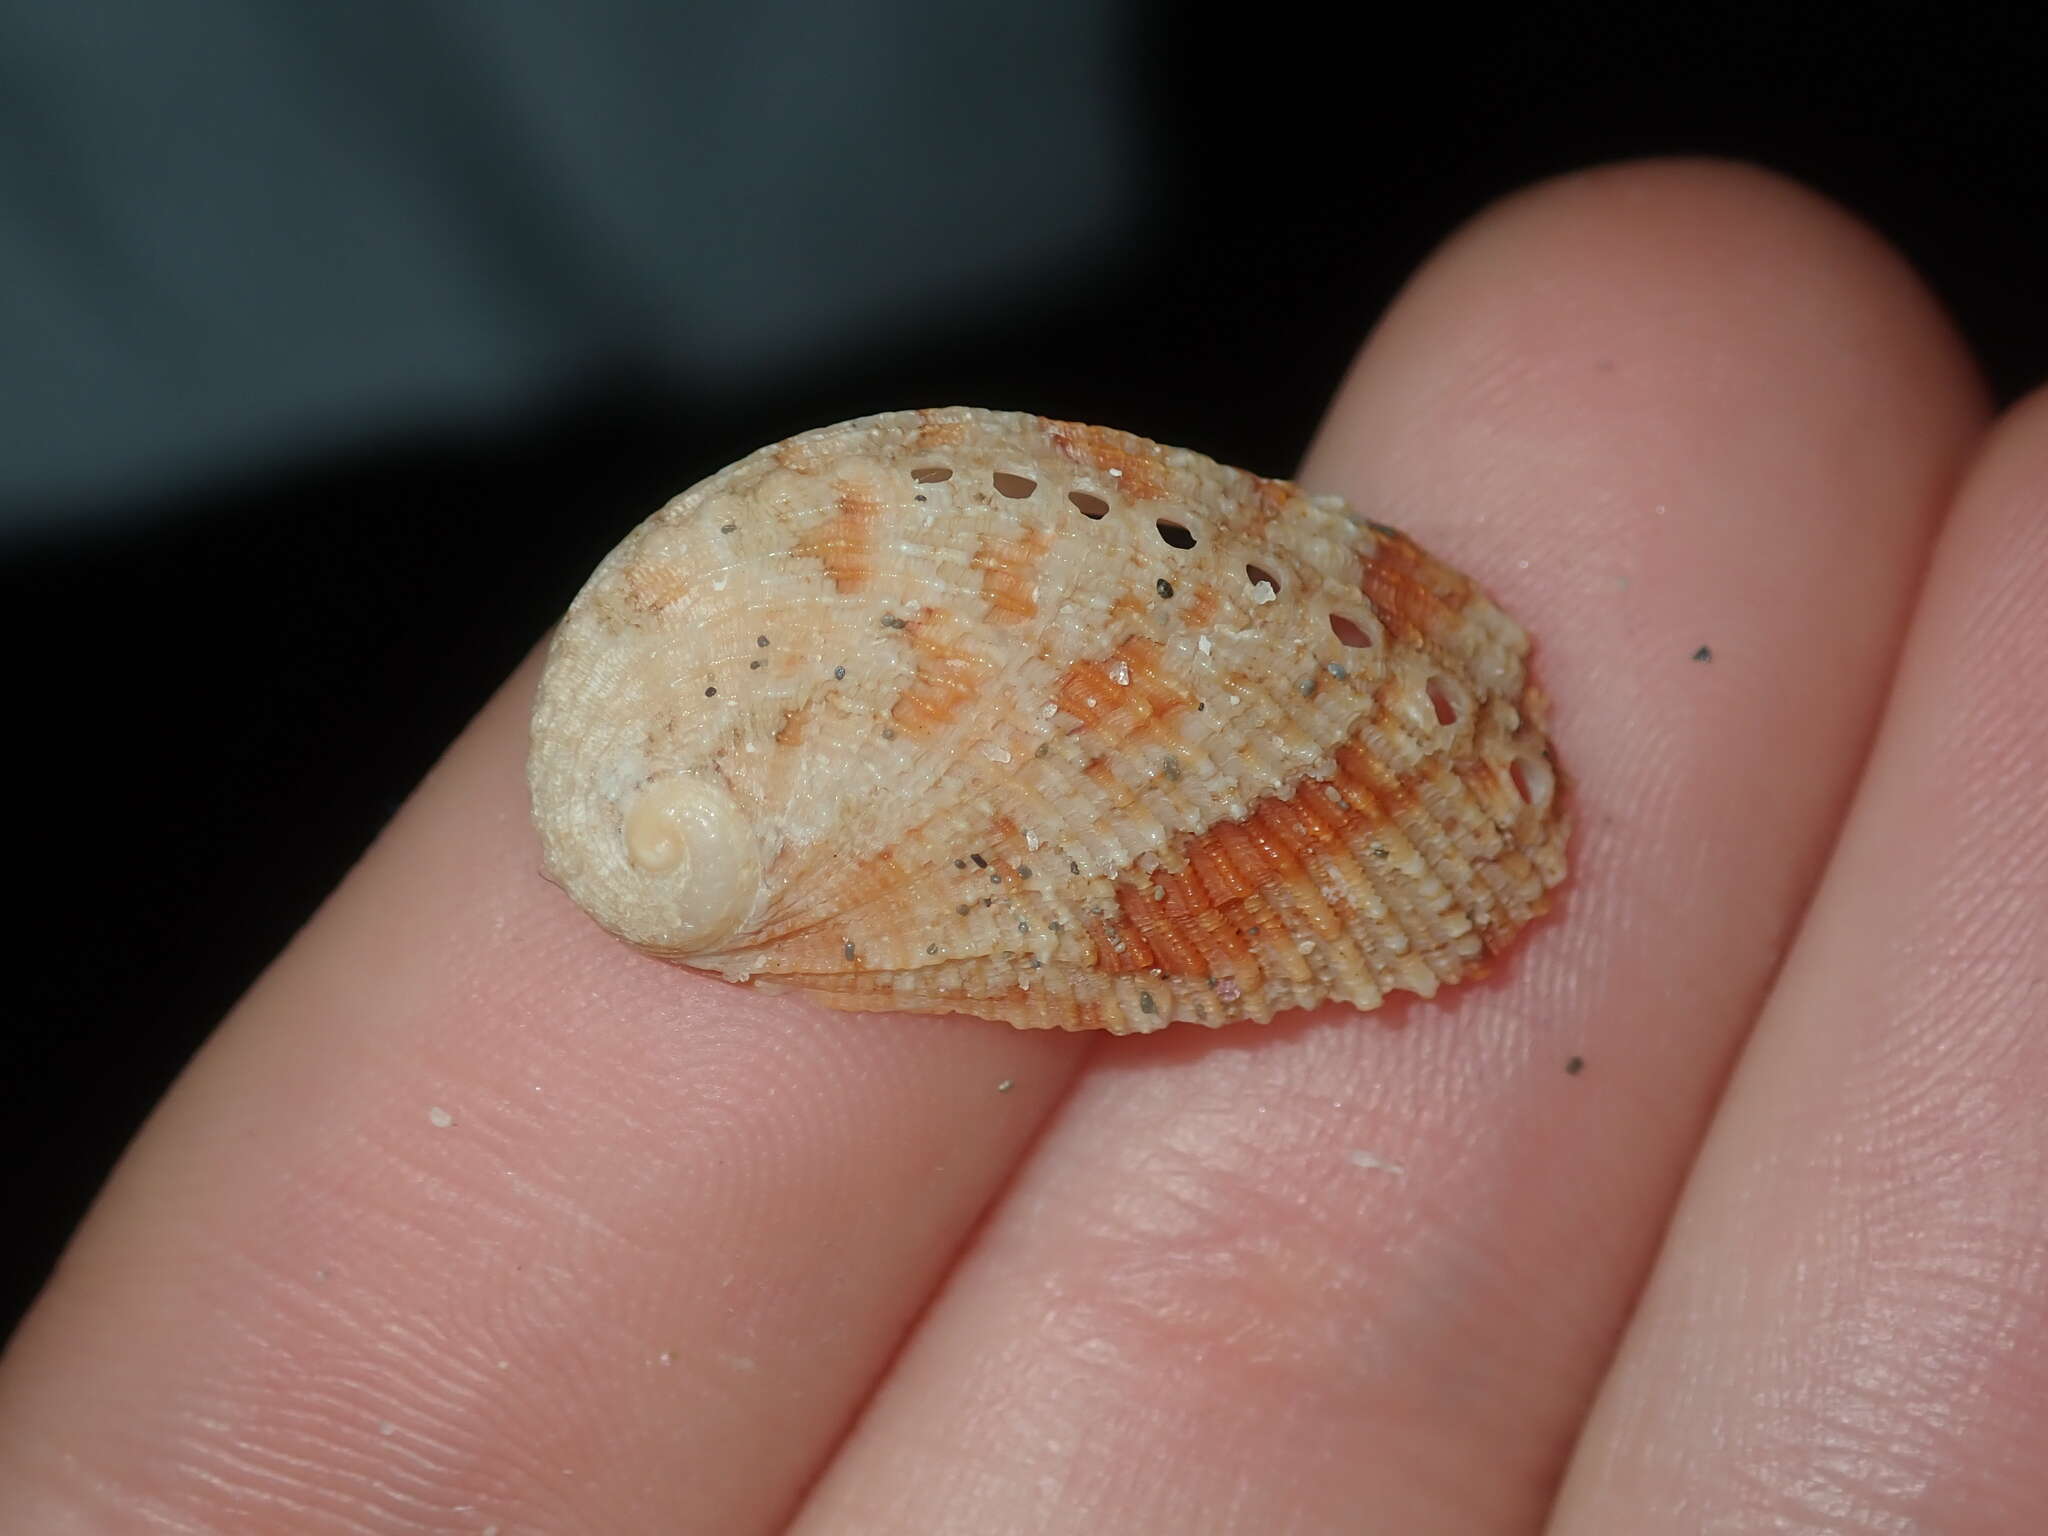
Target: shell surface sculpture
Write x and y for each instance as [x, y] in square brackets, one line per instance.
[965, 711]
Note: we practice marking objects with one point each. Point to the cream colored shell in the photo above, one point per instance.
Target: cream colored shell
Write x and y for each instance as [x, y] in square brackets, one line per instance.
[971, 711]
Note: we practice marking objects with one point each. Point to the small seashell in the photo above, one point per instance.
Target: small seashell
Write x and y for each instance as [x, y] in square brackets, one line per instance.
[900, 713]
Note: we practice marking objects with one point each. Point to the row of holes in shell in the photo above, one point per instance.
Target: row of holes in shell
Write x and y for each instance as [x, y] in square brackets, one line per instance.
[1348, 630]
[1017, 487]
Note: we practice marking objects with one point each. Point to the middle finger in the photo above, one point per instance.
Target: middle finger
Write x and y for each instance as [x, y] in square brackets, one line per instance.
[1266, 1280]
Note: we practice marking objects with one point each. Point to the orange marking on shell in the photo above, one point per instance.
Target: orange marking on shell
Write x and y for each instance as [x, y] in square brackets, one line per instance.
[1009, 573]
[1089, 693]
[934, 433]
[1162, 694]
[1269, 499]
[1237, 873]
[651, 588]
[1128, 611]
[1120, 948]
[1134, 472]
[814, 943]
[949, 674]
[1416, 597]
[1176, 950]
[845, 542]
[1101, 772]
[1365, 779]
[1088, 1015]
[1190, 900]
[1120, 694]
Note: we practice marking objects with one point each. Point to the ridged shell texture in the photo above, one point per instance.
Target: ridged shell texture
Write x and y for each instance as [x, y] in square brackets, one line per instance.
[969, 711]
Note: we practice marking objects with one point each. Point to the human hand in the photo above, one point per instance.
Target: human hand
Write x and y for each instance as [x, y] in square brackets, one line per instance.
[471, 1219]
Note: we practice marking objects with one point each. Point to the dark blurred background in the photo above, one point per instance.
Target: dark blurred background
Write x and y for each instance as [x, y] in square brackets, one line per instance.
[338, 342]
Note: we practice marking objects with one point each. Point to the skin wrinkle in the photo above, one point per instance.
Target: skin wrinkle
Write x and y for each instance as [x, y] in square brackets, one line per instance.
[1887, 1419]
[1901, 1392]
[337, 1427]
[365, 1396]
[1197, 1204]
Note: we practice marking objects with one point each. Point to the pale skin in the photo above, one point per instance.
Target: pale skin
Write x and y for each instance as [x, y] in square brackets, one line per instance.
[470, 1219]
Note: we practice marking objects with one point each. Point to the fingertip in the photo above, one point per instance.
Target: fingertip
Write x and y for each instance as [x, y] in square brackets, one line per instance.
[1606, 310]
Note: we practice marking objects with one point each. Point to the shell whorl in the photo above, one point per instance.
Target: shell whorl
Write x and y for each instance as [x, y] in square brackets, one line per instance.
[961, 710]
[699, 872]
[670, 865]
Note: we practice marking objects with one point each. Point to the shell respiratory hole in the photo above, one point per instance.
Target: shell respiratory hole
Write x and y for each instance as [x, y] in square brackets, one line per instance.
[978, 712]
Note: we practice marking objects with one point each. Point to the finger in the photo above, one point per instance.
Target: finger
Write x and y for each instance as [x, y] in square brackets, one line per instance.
[470, 1218]
[1274, 1281]
[1848, 1329]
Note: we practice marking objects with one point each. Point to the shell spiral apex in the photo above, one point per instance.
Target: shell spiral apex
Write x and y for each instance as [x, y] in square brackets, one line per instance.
[979, 712]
